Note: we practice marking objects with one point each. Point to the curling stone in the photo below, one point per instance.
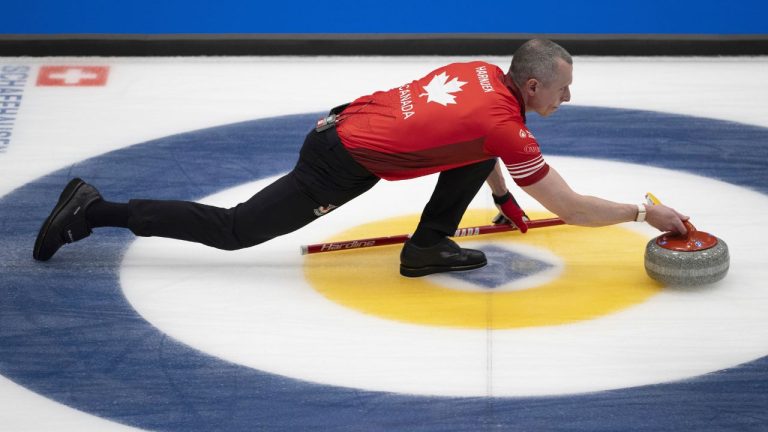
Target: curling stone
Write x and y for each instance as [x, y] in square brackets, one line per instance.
[696, 258]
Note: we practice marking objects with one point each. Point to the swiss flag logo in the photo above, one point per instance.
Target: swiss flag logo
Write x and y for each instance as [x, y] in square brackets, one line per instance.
[73, 76]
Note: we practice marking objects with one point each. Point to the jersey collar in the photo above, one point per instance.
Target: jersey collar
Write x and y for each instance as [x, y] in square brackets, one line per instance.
[516, 93]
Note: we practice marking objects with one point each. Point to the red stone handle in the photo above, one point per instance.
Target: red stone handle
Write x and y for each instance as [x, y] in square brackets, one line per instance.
[692, 241]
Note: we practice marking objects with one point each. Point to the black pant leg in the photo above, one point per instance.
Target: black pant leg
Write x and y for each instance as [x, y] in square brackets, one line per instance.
[277, 209]
[325, 177]
[454, 191]
[183, 220]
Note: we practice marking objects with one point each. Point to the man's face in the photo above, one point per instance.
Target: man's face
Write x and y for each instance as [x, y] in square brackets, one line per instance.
[546, 99]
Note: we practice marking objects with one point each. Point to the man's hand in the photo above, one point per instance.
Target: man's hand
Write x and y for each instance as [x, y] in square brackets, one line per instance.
[665, 218]
[510, 212]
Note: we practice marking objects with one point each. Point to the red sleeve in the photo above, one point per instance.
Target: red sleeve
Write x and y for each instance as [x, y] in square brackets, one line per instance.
[518, 149]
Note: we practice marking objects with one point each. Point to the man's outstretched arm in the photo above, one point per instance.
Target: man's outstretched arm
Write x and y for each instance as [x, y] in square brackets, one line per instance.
[576, 209]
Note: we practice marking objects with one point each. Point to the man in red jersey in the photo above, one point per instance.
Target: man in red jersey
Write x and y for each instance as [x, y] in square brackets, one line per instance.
[459, 120]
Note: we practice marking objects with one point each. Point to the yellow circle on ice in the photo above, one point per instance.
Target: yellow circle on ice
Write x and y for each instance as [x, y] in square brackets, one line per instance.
[602, 273]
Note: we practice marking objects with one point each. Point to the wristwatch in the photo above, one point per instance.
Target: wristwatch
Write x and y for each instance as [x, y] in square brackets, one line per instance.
[640, 213]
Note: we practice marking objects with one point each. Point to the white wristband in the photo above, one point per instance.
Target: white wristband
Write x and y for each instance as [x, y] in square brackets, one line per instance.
[640, 213]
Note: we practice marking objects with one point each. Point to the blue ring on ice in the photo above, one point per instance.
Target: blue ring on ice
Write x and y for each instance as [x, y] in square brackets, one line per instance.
[68, 333]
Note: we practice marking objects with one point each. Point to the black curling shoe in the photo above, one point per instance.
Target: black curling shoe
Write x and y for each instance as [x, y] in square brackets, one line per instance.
[66, 223]
[445, 256]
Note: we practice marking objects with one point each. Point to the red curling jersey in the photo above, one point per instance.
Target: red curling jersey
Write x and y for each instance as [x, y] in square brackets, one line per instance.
[457, 115]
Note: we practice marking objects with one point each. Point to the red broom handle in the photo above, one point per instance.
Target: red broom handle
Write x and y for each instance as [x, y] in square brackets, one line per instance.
[399, 239]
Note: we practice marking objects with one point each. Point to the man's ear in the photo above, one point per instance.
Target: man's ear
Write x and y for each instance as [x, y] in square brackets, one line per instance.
[531, 86]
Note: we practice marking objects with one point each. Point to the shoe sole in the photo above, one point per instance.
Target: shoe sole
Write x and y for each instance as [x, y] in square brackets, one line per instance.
[428, 270]
[65, 198]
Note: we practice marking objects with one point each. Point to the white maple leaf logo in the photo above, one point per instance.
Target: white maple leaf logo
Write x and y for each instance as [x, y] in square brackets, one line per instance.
[439, 89]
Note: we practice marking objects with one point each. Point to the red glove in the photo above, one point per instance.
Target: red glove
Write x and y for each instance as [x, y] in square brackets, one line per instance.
[511, 213]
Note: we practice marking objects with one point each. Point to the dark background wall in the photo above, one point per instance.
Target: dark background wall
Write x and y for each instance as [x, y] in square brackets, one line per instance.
[176, 27]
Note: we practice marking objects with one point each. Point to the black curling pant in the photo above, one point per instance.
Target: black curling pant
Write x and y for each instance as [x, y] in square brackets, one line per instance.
[277, 209]
[325, 176]
[454, 191]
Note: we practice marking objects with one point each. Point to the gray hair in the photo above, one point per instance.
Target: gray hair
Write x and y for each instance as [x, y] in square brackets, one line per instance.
[537, 59]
